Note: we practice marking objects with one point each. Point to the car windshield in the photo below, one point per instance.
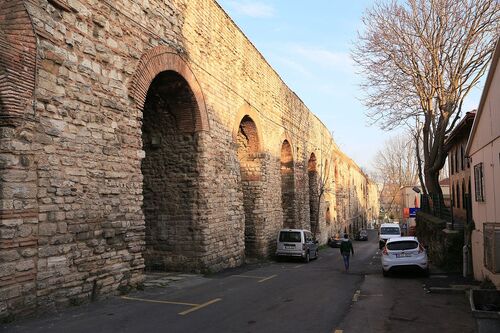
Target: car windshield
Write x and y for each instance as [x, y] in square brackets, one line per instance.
[403, 245]
[362, 232]
[389, 230]
[290, 236]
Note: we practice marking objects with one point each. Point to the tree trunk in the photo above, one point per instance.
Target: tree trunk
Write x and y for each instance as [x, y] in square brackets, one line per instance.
[435, 191]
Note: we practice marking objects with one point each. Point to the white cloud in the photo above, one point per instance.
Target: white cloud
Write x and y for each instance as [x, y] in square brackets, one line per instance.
[293, 65]
[252, 8]
[339, 61]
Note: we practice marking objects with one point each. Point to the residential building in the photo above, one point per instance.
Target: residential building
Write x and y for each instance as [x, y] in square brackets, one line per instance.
[459, 166]
[483, 150]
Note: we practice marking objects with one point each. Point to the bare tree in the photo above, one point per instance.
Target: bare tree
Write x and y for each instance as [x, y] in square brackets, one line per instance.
[395, 166]
[420, 59]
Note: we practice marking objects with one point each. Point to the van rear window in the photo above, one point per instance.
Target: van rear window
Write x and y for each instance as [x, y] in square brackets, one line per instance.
[290, 236]
[403, 245]
[390, 231]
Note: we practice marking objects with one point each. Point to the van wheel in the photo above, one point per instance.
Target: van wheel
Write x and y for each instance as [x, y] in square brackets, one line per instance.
[385, 273]
[307, 258]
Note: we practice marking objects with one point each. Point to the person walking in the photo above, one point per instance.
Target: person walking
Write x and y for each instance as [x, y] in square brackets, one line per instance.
[346, 249]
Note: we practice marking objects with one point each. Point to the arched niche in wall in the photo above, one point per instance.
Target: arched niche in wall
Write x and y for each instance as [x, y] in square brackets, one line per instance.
[173, 111]
[17, 63]
[312, 172]
[287, 172]
[248, 145]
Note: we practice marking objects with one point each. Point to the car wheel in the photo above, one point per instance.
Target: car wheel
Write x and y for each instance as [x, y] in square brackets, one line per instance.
[317, 254]
[307, 258]
[426, 272]
[385, 273]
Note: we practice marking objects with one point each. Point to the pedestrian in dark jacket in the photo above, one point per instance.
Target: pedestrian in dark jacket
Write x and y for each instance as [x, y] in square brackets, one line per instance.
[345, 250]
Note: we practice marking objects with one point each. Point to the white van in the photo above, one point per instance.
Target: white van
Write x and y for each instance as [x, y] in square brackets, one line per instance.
[298, 243]
[387, 231]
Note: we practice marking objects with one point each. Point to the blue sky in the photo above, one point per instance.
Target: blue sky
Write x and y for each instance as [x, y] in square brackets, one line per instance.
[308, 43]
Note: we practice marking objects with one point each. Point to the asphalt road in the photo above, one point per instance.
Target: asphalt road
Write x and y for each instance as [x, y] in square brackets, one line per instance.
[288, 296]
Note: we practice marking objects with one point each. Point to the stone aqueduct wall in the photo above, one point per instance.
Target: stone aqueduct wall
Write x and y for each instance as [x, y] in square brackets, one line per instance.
[144, 135]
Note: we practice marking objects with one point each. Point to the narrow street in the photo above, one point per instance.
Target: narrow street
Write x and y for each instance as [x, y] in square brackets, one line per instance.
[273, 297]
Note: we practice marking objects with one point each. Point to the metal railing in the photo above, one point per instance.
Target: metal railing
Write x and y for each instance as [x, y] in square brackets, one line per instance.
[434, 205]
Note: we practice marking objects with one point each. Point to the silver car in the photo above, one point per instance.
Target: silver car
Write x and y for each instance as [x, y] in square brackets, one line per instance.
[404, 252]
[298, 243]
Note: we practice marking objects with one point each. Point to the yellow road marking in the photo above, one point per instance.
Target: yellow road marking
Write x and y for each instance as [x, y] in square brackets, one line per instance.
[267, 278]
[157, 301]
[200, 306]
[338, 331]
[194, 306]
[356, 295]
[250, 277]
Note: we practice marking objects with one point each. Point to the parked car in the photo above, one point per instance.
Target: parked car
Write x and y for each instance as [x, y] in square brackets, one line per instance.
[298, 243]
[334, 241]
[404, 252]
[387, 231]
[362, 235]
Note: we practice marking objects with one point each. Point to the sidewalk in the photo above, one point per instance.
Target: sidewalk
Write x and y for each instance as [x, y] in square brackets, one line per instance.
[403, 304]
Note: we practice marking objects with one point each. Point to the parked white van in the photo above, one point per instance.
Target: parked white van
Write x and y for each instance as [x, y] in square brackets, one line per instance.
[297, 243]
[387, 231]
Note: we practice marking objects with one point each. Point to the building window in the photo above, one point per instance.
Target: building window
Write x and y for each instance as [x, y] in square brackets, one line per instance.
[462, 157]
[456, 160]
[492, 247]
[464, 204]
[458, 196]
[478, 182]
[451, 163]
[452, 196]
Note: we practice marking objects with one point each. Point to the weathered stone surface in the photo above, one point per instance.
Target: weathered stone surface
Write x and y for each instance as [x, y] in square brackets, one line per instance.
[172, 145]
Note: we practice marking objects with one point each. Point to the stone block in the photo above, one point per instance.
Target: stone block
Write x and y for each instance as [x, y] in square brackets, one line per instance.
[47, 229]
[9, 255]
[7, 269]
[25, 265]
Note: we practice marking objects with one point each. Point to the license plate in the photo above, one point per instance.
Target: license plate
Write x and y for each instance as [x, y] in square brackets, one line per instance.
[289, 246]
[403, 255]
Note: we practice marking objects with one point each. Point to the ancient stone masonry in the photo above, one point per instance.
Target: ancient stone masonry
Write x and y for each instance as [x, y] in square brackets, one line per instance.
[145, 135]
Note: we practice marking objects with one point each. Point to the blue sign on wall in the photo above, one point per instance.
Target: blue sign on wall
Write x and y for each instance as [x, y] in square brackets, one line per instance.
[413, 212]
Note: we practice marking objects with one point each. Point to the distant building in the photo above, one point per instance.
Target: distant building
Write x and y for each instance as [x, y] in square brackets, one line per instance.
[459, 166]
[483, 150]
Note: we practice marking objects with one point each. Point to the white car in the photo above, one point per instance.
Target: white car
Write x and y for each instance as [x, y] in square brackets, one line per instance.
[404, 252]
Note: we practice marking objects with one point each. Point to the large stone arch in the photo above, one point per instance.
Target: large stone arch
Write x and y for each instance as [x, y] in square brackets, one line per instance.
[287, 173]
[17, 62]
[312, 172]
[173, 115]
[163, 59]
[247, 111]
[248, 149]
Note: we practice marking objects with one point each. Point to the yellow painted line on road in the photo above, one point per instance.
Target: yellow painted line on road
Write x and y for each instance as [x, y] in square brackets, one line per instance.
[267, 278]
[356, 295]
[338, 331]
[193, 305]
[158, 301]
[200, 306]
[250, 276]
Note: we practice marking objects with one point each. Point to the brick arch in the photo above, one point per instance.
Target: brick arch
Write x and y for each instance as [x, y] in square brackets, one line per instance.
[246, 110]
[17, 62]
[286, 137]
[161, 59]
